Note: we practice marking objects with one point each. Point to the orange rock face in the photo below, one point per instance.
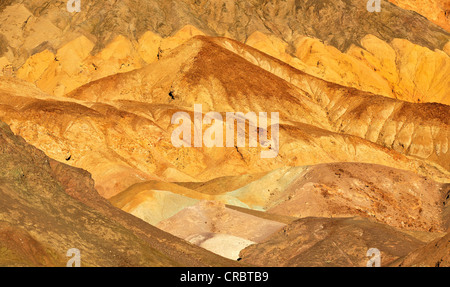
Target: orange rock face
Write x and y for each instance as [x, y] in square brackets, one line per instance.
[47, 205]
[358, 109]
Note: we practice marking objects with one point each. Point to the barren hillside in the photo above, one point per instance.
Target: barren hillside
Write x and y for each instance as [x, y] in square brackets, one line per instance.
[202, 133]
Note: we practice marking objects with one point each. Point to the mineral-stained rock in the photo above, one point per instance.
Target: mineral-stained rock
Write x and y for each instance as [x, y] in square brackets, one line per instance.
[47, 208]
[436, 11]
[330, 242]
[377, 192]
[434, 254]
[328, 20]
[119, 129]
[358, 132]
[219, 229]
[371, 58]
